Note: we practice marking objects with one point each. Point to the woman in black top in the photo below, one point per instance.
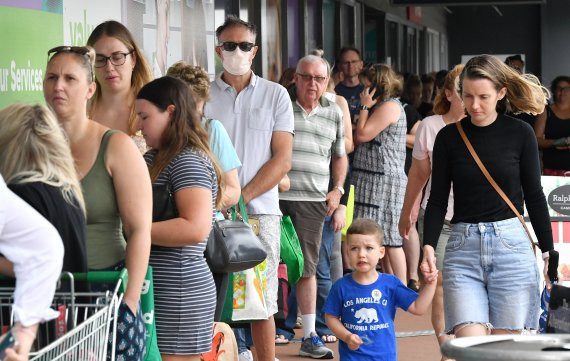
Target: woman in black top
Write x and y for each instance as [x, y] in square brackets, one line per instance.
[491, 279]
[38, 167]
[552, 129]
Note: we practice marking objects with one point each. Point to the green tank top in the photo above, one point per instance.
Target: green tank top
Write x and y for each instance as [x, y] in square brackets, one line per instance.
[105, 242]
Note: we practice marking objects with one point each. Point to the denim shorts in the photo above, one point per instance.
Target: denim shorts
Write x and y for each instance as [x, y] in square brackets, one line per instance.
[490, 277]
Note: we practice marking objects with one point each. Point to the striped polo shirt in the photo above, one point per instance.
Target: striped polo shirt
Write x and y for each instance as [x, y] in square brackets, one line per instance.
[318, 136]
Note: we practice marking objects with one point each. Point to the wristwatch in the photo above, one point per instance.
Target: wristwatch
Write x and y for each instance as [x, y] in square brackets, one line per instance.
[364, 107]
[340, 189]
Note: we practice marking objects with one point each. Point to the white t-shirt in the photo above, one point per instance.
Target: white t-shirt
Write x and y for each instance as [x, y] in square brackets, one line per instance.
[423, 148]
[35, 248]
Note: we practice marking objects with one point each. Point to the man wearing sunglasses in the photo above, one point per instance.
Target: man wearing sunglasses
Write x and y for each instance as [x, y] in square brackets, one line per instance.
[258, 117]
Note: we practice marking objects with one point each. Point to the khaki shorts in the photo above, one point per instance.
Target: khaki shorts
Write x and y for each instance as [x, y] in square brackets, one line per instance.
[308, 219]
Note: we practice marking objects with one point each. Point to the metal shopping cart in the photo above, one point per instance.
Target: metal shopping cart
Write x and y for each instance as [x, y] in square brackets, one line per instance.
[81, 332]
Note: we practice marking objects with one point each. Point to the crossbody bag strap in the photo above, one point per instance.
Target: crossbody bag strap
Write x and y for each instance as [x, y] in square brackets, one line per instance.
[492, 181]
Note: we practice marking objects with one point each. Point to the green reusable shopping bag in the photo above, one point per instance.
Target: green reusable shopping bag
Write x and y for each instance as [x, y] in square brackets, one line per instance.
[147, 308]
[290, 250]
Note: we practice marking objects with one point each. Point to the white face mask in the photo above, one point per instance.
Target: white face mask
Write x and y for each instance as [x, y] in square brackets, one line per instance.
[236, 62]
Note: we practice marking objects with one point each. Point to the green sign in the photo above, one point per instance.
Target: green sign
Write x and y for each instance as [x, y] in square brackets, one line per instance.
[25, 37]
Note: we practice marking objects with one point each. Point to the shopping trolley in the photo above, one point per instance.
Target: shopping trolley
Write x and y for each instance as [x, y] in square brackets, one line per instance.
[82, 331]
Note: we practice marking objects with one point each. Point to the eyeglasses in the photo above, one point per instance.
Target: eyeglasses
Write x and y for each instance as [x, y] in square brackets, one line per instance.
[350, 62]
[308, 78]
[118, 58]
[231, 46]
[80, 50]
[563, 89]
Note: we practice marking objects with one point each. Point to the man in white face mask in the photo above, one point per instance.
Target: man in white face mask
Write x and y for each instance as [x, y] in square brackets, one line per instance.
[258, 117]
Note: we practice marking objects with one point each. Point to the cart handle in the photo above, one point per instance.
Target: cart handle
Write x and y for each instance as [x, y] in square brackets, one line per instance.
[96, 276]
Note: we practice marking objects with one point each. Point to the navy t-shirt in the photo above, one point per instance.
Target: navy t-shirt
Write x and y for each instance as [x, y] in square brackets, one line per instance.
[369, 311]
[352, 96]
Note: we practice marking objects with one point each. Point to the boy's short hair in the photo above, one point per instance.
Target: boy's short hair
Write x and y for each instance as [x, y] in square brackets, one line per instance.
[366, 227]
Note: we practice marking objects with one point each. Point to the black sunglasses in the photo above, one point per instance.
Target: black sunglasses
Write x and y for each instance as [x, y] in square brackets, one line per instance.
[231, 46]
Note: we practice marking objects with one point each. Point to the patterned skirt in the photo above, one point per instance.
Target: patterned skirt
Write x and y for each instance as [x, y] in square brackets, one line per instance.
[380, 198]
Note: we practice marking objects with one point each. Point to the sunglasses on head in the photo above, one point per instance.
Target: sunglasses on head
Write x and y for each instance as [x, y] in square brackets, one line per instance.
[231, 46]
[81, 50]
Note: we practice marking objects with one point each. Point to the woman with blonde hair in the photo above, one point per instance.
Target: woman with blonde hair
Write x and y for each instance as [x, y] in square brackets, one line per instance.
[378, 165]
[181, 163]
[121, 70]
[490, 276]
[448, 108]
[115, 183]
[38, 167]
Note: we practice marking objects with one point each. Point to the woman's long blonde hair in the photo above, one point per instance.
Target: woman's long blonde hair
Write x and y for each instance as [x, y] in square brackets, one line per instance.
[34, 149]
[383, 75]
[142, 73]
[525, 94]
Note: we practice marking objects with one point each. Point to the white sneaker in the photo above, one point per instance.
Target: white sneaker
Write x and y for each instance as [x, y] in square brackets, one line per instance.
[245, 356]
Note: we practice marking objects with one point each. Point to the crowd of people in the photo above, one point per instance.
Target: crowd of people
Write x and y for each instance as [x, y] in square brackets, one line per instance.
[92, 168]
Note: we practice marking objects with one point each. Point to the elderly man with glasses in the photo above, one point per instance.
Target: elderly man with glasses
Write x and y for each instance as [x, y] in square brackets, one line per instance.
[318, 143]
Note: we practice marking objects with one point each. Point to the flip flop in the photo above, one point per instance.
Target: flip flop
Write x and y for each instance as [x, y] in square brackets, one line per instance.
[299, 322]
[281, 340]
[328, 338]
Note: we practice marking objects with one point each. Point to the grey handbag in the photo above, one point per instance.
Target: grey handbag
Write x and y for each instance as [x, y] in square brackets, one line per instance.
[232, 244]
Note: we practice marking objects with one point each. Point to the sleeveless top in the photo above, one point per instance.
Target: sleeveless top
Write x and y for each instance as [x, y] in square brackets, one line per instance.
[556, 128]
[105, 242]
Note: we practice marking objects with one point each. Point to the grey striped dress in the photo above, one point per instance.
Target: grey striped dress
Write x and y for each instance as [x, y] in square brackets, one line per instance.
[184, 290]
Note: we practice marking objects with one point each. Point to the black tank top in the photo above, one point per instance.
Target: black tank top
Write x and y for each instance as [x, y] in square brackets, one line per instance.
[556, 128]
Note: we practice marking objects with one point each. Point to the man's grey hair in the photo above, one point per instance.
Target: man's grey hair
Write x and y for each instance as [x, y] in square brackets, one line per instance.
[311, 59]
[231, 21]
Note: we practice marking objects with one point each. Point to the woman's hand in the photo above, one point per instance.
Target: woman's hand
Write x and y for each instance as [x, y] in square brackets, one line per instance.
[546, 278]
[404, 225]
[14, 354]
[428, 266]
[132, 304]
[25, 337]
[366, 97]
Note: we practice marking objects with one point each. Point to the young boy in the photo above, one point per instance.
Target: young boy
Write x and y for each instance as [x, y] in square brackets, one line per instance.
[361, 306]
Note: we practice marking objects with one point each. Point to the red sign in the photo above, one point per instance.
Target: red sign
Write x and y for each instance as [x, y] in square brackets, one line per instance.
[414, 14]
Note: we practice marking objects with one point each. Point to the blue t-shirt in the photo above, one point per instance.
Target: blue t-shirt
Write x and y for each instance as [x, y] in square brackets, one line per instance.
[352, 96]
[369, 311]
[221, 145]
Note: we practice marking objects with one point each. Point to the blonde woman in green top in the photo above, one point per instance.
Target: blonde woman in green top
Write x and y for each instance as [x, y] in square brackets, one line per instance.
[115, 181]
